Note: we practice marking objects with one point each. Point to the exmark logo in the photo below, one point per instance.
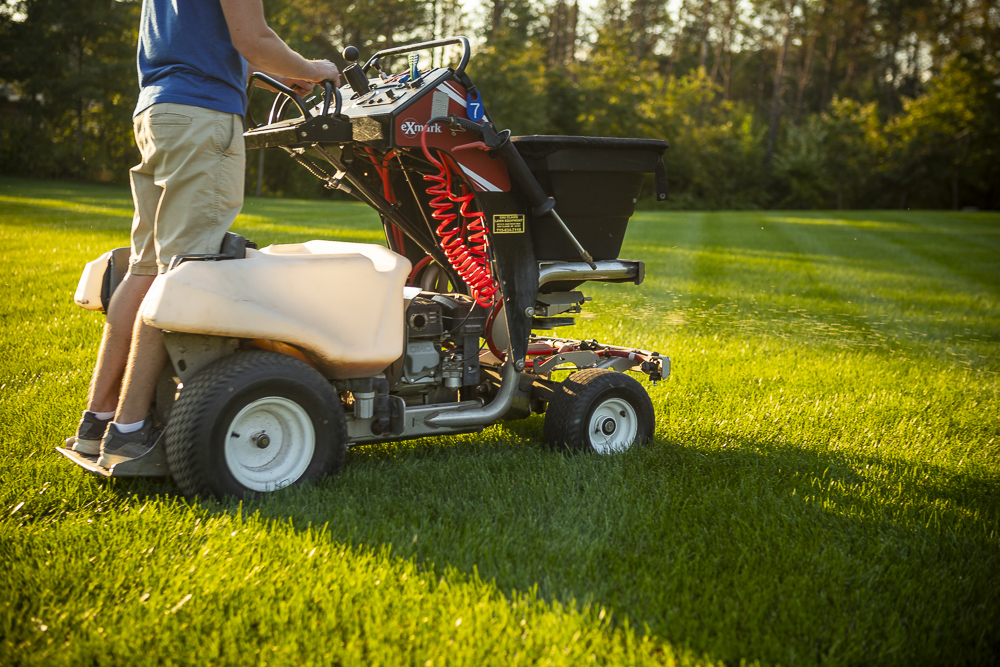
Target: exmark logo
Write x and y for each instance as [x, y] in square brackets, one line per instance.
[412, 128]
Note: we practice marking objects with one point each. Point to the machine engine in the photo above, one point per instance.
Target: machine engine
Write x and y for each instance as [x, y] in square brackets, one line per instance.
[443, 333]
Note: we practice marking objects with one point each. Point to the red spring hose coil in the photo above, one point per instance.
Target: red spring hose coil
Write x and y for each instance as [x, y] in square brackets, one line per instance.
[465, 243]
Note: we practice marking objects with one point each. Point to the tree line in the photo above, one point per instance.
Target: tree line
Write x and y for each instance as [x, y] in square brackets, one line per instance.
[766, 103]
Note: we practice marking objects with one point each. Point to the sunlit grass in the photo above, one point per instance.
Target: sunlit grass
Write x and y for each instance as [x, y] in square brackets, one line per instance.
[860, 224]
[823, 487]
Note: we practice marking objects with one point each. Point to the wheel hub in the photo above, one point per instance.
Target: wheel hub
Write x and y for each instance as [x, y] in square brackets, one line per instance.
[613, 426]
[260, 439]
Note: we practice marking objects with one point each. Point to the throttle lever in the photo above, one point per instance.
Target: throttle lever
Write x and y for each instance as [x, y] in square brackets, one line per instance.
[354, 73]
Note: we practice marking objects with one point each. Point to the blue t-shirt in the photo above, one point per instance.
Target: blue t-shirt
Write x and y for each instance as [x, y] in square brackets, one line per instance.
[186, 56]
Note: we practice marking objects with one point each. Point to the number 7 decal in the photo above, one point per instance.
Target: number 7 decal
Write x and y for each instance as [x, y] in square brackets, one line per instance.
[474, 105]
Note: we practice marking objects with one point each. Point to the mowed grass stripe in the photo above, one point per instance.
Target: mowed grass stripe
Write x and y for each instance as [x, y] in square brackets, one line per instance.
[732, 275]
[822, 487]
[725, 270]
[949, 293]
[860, 291]
[973, 234]
[205, 592]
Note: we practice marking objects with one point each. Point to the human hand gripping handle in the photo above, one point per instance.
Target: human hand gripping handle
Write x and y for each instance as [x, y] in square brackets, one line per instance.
[265, 51]
[325, 71]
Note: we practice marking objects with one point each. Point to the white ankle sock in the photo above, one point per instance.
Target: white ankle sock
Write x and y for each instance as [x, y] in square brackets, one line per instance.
[102, 415]
[129, 428]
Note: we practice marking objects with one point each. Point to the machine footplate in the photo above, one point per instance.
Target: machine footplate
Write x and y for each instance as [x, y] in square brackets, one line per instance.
[151, 464]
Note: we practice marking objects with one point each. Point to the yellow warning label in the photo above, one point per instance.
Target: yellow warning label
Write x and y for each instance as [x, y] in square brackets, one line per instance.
[508, 223]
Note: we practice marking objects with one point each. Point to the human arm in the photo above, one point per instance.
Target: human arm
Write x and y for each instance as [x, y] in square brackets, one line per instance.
[267, 52]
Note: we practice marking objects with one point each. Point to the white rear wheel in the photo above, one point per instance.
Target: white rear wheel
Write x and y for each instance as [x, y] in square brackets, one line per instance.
[270, 444]
[252, 423]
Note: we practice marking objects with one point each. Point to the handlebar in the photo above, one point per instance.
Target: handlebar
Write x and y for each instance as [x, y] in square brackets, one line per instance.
[282, 88]
[329, 92]
[410, 48]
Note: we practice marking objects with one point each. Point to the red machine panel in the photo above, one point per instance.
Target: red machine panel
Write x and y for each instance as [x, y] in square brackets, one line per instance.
[486, 174]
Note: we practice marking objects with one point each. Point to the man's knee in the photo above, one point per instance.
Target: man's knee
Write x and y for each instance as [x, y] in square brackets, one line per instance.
[127, 299]
[135, 285]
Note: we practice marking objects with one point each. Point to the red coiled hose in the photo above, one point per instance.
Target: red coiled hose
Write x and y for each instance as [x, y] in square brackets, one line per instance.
[465, 243]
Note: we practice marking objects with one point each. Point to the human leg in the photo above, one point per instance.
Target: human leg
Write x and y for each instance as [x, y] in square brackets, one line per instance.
[146, 360]
[112, 358]
[116, 339]
[105, 385]
[197, 165]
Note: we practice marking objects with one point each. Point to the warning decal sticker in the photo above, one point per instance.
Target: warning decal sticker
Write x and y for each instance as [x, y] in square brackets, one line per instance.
[508, 223]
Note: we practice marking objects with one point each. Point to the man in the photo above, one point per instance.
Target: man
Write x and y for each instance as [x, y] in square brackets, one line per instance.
[193, 61]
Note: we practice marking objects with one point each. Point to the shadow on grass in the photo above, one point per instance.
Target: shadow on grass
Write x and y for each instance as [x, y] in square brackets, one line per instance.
[757, 550]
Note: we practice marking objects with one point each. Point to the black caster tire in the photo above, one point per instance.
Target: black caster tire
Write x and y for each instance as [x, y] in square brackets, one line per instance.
[601, 411]
[432, 278]
[254, 422]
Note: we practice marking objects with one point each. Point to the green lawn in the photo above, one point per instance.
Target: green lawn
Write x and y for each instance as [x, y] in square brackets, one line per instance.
[824, 486]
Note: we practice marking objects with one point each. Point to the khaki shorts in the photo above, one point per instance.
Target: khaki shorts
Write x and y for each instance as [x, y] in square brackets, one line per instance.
[188, 188]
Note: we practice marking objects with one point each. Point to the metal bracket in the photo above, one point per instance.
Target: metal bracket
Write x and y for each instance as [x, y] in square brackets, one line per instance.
[190, 353]
[318, 130]
[580, 359]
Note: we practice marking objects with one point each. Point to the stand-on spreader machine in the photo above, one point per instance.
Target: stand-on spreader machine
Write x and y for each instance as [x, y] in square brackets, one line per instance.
[281, 358]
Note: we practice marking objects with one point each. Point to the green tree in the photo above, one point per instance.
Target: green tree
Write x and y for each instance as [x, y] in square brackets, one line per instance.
[830, 160]
[716, 154]
[946, 141]
[68, 74]
[852, 141]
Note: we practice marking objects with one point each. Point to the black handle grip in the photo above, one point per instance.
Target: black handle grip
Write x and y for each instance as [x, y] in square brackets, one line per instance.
[330, 91]
[466, 124]
[327, 94]
[282, 88]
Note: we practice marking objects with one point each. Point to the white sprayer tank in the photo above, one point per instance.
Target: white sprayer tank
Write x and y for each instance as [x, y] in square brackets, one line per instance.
[342, 303]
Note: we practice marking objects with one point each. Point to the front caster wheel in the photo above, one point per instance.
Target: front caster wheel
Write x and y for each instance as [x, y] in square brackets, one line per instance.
[254, 422]
[601, 411]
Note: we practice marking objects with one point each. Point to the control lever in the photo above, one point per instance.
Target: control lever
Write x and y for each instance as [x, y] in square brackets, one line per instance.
[354, 74]
[331, 92]
[381, 75]
[541, 203]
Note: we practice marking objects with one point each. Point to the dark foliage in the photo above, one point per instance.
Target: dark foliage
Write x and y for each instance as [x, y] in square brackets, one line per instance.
[766, 103]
